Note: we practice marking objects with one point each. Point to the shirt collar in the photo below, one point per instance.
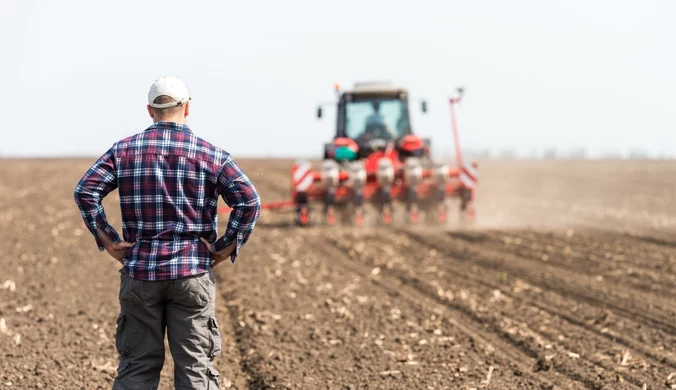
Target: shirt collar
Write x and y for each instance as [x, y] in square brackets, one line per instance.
[164, 125]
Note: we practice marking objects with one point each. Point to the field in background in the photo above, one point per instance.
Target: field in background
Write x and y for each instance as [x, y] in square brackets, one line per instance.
[567, 281]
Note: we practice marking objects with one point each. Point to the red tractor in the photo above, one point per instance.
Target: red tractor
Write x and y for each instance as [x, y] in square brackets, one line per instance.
[376, 158]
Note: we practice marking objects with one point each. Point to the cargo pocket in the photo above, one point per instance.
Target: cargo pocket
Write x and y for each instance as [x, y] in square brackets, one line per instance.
[121, 338]
[214, 379]
[192, 292]
[215, 337]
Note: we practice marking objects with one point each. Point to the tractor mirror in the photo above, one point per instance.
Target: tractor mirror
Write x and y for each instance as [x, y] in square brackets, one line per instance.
[319, 112]
[423, 106]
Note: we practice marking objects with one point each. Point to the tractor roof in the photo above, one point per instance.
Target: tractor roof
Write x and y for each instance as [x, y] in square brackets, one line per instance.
[376, 88]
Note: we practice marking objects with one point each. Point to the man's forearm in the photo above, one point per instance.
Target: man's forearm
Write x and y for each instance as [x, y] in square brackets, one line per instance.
[105, 239]
[96, 222]
[96, 183]
[240, 227]
[241, 195]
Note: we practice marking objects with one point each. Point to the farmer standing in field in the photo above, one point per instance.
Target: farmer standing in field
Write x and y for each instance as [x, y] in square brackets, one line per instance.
[169, 181]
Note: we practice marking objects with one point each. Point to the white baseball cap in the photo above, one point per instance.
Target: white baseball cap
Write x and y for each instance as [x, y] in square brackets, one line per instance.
[168, 86]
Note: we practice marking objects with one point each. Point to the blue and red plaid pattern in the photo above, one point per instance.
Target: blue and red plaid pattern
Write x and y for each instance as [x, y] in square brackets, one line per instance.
[169, 181]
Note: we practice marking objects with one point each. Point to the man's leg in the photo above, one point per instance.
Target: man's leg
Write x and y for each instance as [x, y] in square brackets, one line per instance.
[193, 334]
[140, 334]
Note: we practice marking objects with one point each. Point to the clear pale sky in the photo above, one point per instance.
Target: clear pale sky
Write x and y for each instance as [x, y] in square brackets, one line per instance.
[538, 74]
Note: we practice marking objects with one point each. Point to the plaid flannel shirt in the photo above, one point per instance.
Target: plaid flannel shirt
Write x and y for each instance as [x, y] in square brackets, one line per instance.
[169, 182]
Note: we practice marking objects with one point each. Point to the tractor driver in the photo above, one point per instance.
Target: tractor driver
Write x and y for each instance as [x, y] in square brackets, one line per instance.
[376, 117]
[375, 125]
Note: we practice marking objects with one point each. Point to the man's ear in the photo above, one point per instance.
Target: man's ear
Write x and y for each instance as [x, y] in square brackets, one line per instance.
[187, 109]
[151, 112]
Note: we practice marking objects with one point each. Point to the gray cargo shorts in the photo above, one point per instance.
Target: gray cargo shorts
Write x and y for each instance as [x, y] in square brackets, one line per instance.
[185, 310]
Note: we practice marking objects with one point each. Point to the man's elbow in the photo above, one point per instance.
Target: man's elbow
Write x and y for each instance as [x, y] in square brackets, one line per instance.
[83, 196]
[78, 195]
[80, 191]
[254, 200]
[256, 208]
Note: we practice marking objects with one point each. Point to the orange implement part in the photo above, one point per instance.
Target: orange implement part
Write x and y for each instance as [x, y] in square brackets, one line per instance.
[343, 193]
[358, 218]
[387, 216]
[411, 142]
[331, 216]
[414, 215]
[397, 192]
[304, 216]
[441, 216]
[427, 173]
[470, 214]
[343, 141]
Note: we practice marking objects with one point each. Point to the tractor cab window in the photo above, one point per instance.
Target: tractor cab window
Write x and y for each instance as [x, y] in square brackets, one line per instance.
[376, 118]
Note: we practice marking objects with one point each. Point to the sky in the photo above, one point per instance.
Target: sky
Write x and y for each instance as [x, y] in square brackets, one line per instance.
[595, 74]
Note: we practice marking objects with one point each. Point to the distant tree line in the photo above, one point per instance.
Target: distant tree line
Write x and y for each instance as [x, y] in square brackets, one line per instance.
[553, 153]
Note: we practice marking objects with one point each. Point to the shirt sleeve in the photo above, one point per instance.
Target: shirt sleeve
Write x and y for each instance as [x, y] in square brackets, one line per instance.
[97, 182]
[241, 196]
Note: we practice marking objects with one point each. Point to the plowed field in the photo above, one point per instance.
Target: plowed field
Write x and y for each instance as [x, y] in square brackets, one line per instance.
[567, 281]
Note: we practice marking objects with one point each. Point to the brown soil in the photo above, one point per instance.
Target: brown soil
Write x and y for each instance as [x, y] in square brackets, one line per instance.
[566, 282]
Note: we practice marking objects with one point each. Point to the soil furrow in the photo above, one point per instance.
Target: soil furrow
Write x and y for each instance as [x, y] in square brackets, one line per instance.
[250, 364]
[581, 313]
[573, 255]
[662, 243]
[575, 312]
[656, 312]
[482, 326]
[522, 364]
[237, 371]
[321, 319]
[576, 336]
[604, 246]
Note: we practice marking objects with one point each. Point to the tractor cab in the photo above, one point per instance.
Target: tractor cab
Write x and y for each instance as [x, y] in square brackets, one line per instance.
[372, 117]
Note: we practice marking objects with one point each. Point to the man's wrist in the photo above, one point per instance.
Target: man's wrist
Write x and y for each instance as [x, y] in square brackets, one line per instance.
[221, 244]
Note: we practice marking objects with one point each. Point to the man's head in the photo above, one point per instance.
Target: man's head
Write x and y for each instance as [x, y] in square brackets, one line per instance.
[376, 106]
[168, 100]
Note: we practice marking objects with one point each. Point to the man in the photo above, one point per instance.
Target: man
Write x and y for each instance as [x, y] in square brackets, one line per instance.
[375, 117]
[169, 181]
[375, 126]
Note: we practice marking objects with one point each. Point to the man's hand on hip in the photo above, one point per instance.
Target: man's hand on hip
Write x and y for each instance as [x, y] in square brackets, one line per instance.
[116, 250]
[219, 256]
